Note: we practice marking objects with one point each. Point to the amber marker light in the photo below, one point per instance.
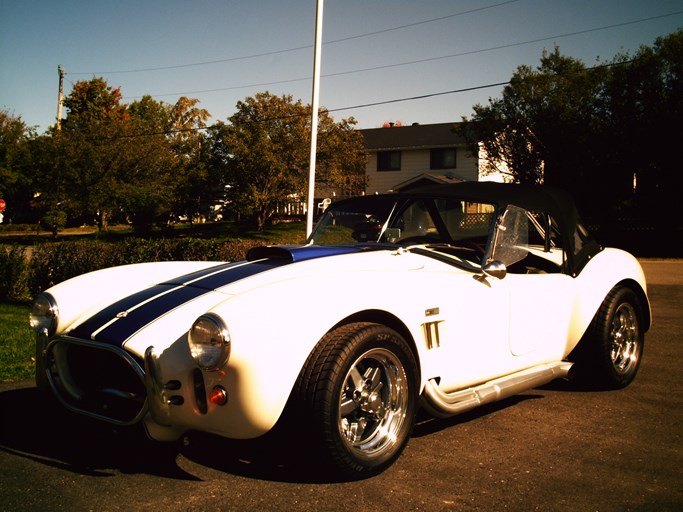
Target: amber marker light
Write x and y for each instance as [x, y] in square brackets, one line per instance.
[218, 396]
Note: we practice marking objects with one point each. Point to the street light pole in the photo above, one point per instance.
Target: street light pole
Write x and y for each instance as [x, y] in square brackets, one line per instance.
[314, 114]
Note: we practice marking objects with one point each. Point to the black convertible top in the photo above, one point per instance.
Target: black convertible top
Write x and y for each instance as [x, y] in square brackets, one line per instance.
[540, 198]
[579, 245]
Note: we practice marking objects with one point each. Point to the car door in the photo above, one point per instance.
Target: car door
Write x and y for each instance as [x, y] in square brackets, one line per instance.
[540, 307]
[471, 328]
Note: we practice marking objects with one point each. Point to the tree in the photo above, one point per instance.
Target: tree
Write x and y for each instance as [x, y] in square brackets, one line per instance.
[643, 99]
[92, 103]
[14, 163]
[196, 188]
[586, 130]
[109, 159]
[341, 156]
[540, 126]
[265, 152]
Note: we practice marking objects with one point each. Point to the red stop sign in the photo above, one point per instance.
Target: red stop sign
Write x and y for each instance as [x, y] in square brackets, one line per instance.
[3, 205]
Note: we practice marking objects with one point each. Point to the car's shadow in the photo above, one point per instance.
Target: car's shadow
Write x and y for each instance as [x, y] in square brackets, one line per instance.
[38, 428]
[35, 426]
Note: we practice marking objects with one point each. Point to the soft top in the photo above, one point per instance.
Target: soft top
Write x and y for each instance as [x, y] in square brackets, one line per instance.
[538, 198]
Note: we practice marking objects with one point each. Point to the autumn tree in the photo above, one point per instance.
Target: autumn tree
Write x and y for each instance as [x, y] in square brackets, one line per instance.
[114, 159]
[265, 150]
[78, 172]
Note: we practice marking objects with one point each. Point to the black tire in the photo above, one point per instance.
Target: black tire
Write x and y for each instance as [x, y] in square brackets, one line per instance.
[358, 391]
[610, 353]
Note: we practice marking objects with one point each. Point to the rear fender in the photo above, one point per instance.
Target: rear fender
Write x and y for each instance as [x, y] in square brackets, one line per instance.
[606, 270]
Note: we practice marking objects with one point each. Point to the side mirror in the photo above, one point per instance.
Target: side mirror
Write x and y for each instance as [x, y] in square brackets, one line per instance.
[495, 268]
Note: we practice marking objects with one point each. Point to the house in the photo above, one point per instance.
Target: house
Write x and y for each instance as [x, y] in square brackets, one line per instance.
[402, 157]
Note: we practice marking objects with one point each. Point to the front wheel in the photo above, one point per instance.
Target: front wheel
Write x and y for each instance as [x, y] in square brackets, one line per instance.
[612, 351]
[359, 394]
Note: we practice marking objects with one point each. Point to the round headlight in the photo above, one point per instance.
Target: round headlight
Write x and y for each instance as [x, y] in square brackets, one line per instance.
[209, 342]
[44, 314]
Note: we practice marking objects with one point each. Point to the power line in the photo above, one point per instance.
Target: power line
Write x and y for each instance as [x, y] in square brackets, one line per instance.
[419, 61]
[359, 106]
[296, 48]
[420, 97]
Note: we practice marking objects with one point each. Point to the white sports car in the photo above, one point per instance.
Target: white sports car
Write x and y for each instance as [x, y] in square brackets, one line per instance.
[448, 297]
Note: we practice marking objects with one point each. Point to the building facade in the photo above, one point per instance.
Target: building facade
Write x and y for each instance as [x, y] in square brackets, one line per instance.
[403, 156]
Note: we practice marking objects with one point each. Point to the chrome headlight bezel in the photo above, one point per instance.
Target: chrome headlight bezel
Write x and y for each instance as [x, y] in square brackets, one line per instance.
[44, 314]
[209, 342]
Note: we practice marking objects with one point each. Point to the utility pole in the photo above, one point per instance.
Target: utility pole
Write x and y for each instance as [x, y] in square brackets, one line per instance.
[60, 98]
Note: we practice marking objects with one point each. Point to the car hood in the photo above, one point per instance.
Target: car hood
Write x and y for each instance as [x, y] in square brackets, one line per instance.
[161, 313]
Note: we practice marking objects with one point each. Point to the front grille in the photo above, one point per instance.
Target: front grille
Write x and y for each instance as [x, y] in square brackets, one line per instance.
[98, 380]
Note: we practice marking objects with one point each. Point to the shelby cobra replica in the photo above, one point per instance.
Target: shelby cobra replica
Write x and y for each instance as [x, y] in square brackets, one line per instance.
[448, 297]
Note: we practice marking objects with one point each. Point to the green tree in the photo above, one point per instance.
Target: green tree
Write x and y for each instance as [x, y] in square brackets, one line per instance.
[78, 164]
[15, 186]
[265, 151]
[603, 133]
[540, 128]
[196, 187]
[341, 156]
[143, 173]
[643, 102]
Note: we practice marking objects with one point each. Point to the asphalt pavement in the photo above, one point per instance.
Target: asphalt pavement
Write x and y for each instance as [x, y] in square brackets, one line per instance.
[550, 449]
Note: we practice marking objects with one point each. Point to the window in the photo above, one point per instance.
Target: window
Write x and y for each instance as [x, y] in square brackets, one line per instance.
[443, 158]
[388, 160]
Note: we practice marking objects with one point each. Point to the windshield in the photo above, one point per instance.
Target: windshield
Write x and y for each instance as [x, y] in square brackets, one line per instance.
[403, 220]
[353, 221]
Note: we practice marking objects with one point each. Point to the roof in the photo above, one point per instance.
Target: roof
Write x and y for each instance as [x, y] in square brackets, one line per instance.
[416, 136]
[425, 179]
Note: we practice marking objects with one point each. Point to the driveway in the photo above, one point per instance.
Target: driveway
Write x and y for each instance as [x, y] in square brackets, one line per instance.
[550, 449]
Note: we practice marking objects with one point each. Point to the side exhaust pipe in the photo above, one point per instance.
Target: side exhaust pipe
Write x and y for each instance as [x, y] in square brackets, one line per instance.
[446, 404]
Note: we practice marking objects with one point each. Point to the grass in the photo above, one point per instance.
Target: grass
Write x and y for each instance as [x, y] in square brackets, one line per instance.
[17, 350]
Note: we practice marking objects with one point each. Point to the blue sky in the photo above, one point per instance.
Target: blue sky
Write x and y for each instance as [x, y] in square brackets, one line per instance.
[374, 51]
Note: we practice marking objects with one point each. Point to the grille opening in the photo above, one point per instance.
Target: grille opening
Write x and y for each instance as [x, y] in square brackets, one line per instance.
[97, 380]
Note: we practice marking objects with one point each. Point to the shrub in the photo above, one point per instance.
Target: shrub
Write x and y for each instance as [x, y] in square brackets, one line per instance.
[52, 263]
[13, 268]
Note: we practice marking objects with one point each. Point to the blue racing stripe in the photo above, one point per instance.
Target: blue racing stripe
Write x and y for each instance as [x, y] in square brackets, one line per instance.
[119, 321]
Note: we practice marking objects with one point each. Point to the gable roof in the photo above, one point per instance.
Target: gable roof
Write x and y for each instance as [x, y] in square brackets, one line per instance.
[416, 136]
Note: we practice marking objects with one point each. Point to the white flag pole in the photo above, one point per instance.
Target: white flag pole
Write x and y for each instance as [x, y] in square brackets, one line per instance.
[314, 114]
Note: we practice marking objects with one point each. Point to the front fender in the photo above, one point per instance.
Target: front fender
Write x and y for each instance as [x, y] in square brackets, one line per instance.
[270, 344]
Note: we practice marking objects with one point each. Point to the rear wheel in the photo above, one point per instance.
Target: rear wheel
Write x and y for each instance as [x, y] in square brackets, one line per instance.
[612, 351]
[359, 394]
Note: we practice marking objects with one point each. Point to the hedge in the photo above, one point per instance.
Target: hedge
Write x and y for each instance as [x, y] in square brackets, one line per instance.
[25, 272]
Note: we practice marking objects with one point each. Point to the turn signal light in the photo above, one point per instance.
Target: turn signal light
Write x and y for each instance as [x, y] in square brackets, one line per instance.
[218, 396]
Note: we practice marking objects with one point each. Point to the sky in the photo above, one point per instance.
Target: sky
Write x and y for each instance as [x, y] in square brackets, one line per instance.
[406, 61]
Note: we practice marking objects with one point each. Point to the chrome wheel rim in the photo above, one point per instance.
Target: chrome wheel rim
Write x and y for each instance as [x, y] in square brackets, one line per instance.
[373, 403]
[624, 339]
